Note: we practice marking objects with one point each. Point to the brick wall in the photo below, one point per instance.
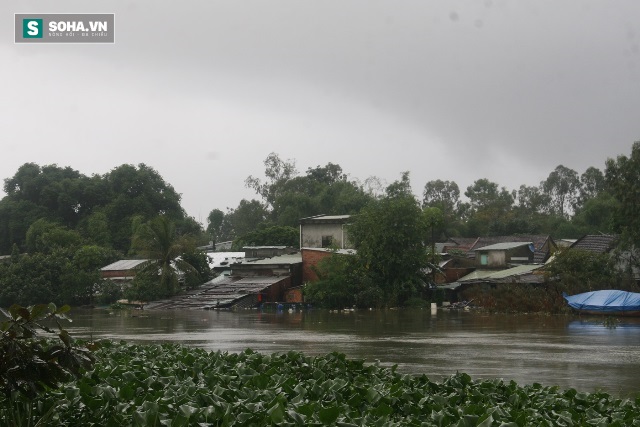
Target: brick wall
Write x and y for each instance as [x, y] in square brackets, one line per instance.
[293, 295]
[311, 258]
[275, 292]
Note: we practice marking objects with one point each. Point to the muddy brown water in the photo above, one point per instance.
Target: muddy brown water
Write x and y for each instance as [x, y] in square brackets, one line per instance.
[585, 353]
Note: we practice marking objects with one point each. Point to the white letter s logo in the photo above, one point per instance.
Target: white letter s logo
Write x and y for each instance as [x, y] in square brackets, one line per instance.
[33, 28]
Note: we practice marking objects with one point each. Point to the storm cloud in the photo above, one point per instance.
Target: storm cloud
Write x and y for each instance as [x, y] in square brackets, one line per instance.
[203, 91]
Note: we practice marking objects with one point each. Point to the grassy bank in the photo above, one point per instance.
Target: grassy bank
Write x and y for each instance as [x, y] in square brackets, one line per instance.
[172, 385]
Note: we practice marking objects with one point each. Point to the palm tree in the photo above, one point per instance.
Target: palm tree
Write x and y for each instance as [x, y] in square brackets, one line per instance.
[157, 241]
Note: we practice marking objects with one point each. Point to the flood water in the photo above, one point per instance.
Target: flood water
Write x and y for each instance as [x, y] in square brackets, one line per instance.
[571, 352]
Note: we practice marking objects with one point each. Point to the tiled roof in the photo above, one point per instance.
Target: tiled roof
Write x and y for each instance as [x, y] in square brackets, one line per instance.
[460, 242]
[600, 243]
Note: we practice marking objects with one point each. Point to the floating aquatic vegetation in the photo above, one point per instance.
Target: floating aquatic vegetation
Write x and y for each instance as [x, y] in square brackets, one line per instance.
[172, 385]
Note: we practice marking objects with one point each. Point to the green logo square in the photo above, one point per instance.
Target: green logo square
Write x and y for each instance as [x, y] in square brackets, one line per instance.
[32, 28]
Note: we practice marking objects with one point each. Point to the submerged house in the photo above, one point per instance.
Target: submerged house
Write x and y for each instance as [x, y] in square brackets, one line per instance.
[325, 231]
[321, 236]
[124, 270]
[608, 244]
[503, 255]
[543, 245]
[246, 283]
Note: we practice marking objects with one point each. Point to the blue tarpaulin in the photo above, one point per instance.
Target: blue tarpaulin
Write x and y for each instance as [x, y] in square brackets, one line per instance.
[605, 301]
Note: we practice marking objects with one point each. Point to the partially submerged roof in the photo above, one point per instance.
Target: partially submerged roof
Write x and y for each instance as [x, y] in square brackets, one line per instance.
[223, 291]
[124, 264]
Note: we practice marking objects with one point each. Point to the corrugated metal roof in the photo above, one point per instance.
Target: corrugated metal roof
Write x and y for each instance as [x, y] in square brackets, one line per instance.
[265, 247]
[325, 219]
[220, 292]
[500, 274]
[261, 280]
[124, 264]
[337, 251]
[282, 259]
[503, 246]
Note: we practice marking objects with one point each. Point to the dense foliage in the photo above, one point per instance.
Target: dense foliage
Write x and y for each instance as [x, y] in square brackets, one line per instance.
[389, 235]
[157, 241]
[285, 197]
[156, 385]
[31, 366]
[61, 275]
[99, 208]
[623, 178]
[59, 219]
[268, 236]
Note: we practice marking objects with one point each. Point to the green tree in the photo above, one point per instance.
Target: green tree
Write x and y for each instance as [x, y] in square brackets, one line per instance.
[592, 183]
[277, 173]
[401, 187]
[81, 279]
[532, 200]
[31, 365]
[157, 241]
[623, 180]
[245, 218]
[389, 237]
[596, 215]
[200, 262]
[45, 236]
[137, 191]
[562, 186]
[340, 284]
[96, 228]
[489, 207]
[35, 278]
[275, 235]
[214, 226]
[445, 196]
[580, 271]
[101, 208]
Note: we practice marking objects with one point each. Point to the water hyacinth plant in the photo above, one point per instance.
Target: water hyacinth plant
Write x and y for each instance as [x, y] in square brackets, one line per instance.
[172, 385]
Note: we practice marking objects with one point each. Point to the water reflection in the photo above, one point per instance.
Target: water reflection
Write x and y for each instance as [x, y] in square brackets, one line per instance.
[553, 350]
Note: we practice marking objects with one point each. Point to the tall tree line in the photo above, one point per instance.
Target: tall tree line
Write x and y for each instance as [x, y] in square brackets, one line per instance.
[101, 208]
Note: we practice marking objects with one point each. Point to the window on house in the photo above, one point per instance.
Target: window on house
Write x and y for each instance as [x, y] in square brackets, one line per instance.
[484, 259]
[327, 241]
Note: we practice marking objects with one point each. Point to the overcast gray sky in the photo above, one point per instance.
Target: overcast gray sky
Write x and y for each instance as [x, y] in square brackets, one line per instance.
[203, 91]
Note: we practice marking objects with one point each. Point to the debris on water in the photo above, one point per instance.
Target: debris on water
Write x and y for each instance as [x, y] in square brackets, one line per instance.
[460, 305]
